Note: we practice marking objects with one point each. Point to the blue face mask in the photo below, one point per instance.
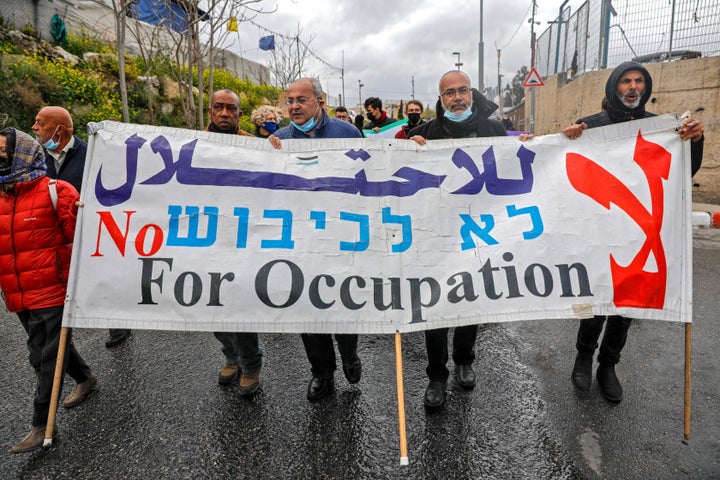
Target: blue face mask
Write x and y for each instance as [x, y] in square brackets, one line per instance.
[270, 126]
[52, 144]
[458, 118]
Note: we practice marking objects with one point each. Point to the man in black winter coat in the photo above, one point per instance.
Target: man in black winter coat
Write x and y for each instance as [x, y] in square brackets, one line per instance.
[65, 158]
[627, 90]
[462, 112]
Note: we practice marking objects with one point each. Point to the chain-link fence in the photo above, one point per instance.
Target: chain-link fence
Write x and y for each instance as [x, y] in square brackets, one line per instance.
[603, 34]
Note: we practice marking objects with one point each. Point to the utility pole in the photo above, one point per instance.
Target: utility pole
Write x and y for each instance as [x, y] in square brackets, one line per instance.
[457, 64]
[500, 95]
[412, 95]
[481, 54]
[360, 85]
[342, 77]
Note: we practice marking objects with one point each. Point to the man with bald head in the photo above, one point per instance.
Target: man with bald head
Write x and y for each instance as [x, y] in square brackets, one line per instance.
[65, 159]
[462, 112]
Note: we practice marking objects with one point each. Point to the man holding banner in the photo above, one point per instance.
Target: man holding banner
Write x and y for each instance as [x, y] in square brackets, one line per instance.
[462, 112]
[308, 119]
[626, 91]
[243, 356]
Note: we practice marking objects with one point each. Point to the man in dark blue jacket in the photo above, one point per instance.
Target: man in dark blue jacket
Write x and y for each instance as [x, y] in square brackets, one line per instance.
[65, 159]
[626, 91]
[308, 119]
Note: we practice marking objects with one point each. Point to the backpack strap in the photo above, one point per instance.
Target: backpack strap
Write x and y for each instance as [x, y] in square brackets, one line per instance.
[52, 187]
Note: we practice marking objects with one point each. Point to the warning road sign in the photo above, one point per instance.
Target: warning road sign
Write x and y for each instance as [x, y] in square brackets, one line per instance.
[533, 79]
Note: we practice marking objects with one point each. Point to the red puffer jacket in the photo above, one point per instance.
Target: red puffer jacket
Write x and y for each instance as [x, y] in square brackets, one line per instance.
[35, 244]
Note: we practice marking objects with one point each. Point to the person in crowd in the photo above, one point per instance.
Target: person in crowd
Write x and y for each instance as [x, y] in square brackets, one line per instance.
[65, 157]
[507, 124]
[377, 117]
[224, 111]
[462, 112]
[36, 239]
[413, 111]
[265, 119]
[308, 119]
[358, 121]
[243, 355]
[341, 113]
[627, 90]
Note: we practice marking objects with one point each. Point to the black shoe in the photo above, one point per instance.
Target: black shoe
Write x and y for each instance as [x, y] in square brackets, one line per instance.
[116, 337]
[609, 384]
[435, 394]
[582, 371]
[319, 388]
[465, 376]
[353, 370]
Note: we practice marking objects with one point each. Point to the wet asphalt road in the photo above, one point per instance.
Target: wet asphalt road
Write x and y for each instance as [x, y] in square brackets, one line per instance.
[158, 412]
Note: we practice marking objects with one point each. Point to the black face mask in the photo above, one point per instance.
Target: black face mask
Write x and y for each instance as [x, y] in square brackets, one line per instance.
[5, 166]
[370, 116]
[413, 117]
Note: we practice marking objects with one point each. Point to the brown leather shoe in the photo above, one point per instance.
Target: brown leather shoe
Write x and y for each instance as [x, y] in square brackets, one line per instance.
[228, 373]
[33, 440]
[80, 392]
[249, 383]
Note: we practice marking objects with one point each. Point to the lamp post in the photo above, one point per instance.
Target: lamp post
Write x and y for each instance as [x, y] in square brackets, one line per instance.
[457, 64]
[360, 85]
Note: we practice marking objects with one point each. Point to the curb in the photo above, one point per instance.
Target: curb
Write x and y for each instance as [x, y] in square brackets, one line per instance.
[706, 219]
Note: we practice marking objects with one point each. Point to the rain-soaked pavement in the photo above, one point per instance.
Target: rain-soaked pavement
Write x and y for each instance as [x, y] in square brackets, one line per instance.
[158, 412]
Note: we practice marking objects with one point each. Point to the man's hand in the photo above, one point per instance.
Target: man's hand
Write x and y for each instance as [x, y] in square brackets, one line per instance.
[524, 137]
[275, 141]
[575, 130]
[419, 139]
[691, 129]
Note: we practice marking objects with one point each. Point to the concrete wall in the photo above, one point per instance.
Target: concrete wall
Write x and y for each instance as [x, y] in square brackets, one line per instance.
[678, 86]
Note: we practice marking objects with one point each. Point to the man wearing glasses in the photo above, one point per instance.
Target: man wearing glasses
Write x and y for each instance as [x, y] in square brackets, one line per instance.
[308, 119]
[462, 112]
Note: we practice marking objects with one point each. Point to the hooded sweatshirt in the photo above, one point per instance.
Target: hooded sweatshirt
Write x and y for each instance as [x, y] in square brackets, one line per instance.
[478, 125]
[35, 236]
[616, 111]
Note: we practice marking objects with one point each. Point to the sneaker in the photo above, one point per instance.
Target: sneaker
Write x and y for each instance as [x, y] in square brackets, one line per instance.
[228, 373]
[33, 440]
[80, 392]
[249, 383]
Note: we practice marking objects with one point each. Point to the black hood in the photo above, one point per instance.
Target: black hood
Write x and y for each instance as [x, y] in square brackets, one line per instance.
[616, 109]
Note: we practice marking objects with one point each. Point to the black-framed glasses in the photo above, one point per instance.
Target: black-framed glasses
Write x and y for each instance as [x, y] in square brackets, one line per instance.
[451, 92]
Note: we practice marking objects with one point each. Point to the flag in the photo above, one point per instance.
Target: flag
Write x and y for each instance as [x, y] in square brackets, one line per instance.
[232, 24]
[267, 43]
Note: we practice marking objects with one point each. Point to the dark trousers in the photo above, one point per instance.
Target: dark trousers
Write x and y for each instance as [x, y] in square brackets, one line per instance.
[43, 329]
[436, 342]
[321, 352]
[616, 330]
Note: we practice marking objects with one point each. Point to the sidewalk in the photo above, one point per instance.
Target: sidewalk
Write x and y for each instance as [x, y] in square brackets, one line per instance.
[705, 215]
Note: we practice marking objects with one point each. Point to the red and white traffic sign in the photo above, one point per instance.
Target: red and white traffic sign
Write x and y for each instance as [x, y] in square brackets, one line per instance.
[533, 79]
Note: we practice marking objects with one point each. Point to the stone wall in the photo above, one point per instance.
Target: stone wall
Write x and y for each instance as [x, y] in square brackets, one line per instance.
[678, 86]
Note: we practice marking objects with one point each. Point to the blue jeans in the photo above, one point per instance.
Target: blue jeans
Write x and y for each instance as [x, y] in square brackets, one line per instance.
[242, 349]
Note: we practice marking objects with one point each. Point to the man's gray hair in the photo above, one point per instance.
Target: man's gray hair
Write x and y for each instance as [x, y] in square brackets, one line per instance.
[448, 73]
[316, 87]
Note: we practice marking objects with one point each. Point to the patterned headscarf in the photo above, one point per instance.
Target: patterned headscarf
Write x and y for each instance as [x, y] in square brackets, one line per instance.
[28, 158]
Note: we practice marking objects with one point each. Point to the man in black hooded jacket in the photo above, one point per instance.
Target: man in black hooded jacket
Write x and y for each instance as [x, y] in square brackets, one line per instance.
[462, 112]
[627, 90]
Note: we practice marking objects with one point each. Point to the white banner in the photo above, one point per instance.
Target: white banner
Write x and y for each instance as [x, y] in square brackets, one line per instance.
[187, 230]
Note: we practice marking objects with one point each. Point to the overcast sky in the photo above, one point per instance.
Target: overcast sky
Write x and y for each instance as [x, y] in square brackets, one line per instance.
[388, 42]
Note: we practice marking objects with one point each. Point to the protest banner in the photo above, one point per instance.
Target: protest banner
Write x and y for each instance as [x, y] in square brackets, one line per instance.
[188, 230]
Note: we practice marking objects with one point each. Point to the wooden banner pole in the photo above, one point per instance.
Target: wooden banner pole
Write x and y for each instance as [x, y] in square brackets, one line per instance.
[401, 399]
[688, 365]
[57, 381]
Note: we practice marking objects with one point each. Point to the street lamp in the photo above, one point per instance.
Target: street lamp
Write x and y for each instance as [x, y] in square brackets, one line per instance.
[360, 85]
[457, 64]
